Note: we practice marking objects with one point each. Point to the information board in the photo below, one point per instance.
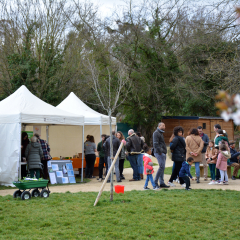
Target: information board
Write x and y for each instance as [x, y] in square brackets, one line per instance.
[61, 171]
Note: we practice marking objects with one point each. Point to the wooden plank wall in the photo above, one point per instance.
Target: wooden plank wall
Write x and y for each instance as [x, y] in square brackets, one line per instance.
[189, 123]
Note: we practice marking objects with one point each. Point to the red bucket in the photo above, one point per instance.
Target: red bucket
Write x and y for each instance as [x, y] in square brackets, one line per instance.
[119, 189]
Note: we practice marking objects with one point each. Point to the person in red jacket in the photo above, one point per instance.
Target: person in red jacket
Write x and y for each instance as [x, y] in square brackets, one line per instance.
[148, 169]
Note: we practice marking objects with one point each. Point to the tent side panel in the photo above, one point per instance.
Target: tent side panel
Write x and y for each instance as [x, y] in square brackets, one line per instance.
[65, 141]
[9, 152]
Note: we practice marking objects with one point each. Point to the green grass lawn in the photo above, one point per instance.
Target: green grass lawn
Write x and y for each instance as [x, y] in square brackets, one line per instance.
[127, 164]
[164, 214]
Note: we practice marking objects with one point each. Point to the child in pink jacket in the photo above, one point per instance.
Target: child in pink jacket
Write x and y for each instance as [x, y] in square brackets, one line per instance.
[148, 169]
[223, 156]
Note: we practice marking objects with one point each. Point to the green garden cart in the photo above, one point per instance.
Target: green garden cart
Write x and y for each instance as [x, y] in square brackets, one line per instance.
[24, 188]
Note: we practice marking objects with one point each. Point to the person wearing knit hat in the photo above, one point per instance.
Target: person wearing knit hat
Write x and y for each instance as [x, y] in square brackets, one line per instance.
[234, 160]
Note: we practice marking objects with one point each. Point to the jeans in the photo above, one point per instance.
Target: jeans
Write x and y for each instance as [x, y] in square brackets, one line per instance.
[37, 173]
[121, 166]
[101, 166]
[133, 159]
[217, 174]
[186, 180]
[116, 168]
[223, 174]
[212, 168]
[149, 177]
[176, 171]
[140, 163]
[197, 168]
[160, 172]
[90, 161]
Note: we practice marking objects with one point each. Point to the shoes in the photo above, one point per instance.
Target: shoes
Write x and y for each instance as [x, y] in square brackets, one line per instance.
[226, 183]
[198, 181]
[188, 189]
[122, 177]
[212, 182]
[141, 176]
[156, 185]
[177, 180]
[183, 185]
[171, 184]
[156, 188]
[164, 186]
[119, 181]
[221, 183]
[205, 179]
[133, 180]
[146, 188]
[233, 178]
[100, 179]
[108, 181]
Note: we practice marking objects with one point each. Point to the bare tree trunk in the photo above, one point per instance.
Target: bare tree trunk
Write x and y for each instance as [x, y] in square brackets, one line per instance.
[111, 152]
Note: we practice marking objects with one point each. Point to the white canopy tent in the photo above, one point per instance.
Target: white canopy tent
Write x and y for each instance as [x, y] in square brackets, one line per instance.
[22, 107]
[74, 105]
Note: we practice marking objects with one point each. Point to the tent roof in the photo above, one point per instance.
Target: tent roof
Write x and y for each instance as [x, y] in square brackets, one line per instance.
[22, 106]
[74, 105]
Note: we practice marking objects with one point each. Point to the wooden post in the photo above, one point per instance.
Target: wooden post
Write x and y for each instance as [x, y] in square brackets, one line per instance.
[109, 172]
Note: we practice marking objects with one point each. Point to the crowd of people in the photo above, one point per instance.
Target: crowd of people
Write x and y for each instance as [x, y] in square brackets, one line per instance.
[196, 148]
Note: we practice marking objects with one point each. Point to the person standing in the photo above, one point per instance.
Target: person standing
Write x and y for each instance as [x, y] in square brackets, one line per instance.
[122, 154]
[160, 151]
[34, 154]
[90, 156]
[134, 147]
[25, 142]
[216, 128]
[46, 154]
[178, 148]
[115, 144]
[206, 141]
[194, 146]
[234, 160]
[101, 153]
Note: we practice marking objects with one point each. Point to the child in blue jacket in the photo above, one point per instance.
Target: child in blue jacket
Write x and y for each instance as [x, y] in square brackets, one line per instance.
[185, 173]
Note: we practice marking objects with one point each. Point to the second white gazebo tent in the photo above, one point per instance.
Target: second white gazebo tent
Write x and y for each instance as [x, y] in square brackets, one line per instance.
[73, 104]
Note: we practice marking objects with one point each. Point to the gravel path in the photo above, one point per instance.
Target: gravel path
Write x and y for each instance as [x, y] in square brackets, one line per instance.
[94, 185]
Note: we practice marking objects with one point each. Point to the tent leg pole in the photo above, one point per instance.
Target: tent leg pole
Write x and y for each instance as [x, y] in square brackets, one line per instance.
[101, 132]
[47, 134]
[20, 166]
[82, 153]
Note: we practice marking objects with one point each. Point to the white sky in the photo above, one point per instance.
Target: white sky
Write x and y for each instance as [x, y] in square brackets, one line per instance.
[106, 7]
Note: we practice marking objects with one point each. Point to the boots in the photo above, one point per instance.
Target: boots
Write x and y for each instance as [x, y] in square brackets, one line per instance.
[198, 181]
[141, 175]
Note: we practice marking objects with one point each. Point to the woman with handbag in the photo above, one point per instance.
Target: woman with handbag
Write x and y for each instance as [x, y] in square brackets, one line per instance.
[194, 146]
[178, 153]
[34, 155]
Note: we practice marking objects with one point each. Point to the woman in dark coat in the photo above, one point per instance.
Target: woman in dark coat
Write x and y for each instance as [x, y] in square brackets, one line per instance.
[178, 153]
[25, 142]
[34, 155]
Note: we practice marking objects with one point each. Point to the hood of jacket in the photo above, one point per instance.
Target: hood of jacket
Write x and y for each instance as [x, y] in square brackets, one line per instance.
[226, 154]
[35, 144]
[160, 130]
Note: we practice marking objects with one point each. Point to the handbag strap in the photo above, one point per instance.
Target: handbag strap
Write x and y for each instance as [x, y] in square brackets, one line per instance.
[195, 141]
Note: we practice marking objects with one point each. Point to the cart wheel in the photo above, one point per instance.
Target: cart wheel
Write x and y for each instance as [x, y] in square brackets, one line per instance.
[35, 193]
[44, 193]
[25, 195]
[17, 194]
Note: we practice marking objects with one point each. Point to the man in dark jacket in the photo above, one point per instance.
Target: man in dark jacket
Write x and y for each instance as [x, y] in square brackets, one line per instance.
[206, 141]
[134, 147]
[234, 160]
[160, 151]
[101, 153]
[116, 144]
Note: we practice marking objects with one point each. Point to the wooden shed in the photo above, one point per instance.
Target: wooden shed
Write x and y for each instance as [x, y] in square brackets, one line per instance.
[207, 124]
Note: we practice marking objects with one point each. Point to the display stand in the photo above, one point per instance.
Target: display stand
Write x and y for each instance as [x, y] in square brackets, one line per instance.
[61, 172]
